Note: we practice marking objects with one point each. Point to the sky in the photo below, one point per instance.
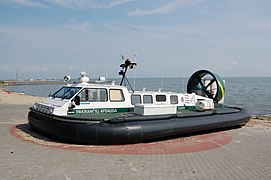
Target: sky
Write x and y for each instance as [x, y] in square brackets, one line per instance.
[169, 38]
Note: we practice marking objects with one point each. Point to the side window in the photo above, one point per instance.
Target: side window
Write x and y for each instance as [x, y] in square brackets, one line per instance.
[93, 95]
[97, 95]
[116, 95]
[161, 98]
[136, 99]
[147, 99]
[173, 99]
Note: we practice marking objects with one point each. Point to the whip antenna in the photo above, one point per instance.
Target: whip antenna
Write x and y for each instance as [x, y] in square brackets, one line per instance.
[135, 72]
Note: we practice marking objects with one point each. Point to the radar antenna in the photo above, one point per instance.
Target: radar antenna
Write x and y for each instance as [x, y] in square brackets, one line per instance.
[127, 64]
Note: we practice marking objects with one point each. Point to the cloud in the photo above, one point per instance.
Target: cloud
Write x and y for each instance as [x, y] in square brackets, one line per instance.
[84, 27]
[115, 3]
[70, 4]
[170, 7]
[234, 64]
[29, 3]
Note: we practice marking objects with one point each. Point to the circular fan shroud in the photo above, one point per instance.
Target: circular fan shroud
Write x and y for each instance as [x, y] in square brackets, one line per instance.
[198, 80]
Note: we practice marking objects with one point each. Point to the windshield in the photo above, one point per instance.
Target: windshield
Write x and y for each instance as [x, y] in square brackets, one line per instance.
[66, 92]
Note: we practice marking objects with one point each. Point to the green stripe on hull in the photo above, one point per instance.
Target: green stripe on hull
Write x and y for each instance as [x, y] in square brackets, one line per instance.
[115, 110]
[190, 108]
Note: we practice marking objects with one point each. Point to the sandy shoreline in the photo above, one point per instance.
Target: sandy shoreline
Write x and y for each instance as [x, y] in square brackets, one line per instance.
[9, 98]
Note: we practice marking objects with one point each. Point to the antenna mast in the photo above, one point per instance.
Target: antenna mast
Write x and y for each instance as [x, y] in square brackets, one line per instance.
[127, 64]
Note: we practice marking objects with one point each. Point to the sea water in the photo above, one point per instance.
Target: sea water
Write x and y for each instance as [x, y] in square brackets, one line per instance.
[251, 93]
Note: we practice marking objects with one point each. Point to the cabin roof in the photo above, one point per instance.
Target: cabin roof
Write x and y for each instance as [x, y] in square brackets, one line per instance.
[94, 85]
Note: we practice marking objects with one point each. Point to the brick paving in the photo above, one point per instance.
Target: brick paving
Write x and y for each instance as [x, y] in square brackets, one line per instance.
[246, 156]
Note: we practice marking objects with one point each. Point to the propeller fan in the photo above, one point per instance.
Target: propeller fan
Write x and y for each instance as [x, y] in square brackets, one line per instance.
[208, 84]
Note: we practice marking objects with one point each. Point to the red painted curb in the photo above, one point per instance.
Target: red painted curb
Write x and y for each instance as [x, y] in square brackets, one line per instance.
[189, 144]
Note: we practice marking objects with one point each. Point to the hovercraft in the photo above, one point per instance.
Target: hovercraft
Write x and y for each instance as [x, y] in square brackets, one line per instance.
[105, 113]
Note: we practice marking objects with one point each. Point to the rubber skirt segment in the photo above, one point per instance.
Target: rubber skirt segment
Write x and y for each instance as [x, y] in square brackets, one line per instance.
[193, 82]
[128, 131]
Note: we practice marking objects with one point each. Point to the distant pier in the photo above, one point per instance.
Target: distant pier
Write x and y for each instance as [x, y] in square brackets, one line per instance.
[29, 82]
